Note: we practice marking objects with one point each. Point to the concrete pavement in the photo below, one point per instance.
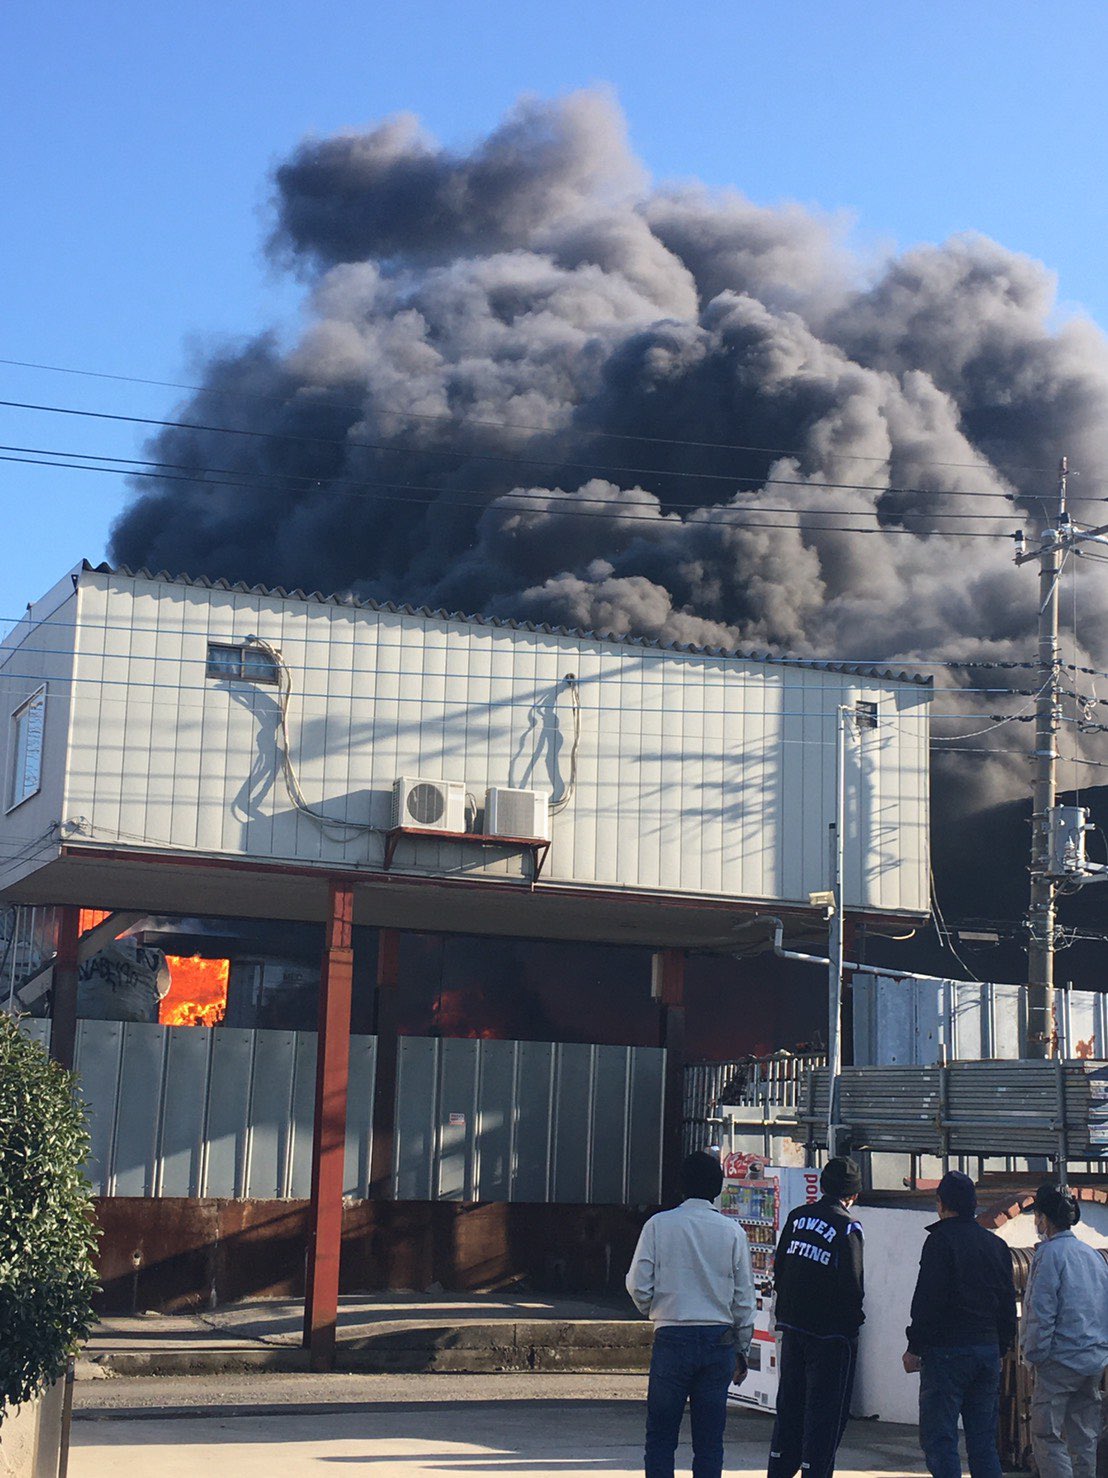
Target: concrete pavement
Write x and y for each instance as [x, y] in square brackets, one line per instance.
[256, 1426]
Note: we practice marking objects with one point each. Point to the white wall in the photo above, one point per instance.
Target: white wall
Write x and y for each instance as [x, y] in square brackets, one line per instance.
[696, 773]
[893, 1243]
[1092, 1228]
[36, 653]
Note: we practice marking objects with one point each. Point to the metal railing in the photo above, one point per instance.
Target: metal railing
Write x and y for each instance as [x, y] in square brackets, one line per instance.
[760, 1083]
[963, 1108]
[28, 942]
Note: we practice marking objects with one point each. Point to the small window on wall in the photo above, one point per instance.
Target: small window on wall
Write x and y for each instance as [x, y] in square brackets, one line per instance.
[28, 725]
[244, 664]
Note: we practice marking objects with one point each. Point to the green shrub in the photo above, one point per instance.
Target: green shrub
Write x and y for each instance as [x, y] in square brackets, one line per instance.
[47, 1237]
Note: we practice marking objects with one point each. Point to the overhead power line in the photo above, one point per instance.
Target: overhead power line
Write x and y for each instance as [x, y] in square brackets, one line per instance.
[981, 465]
[303, 482]
[473, 455]
[721, 514]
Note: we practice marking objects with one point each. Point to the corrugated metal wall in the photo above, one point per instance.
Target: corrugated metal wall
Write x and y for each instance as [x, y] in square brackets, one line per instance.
[696, 774]
[528, 1121]
[921, 1022]
[183, 1111]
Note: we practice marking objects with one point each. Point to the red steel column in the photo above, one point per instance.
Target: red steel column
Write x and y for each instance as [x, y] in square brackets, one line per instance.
[63, 993]
[329, 1136]
[384, 1086]
[668, 985]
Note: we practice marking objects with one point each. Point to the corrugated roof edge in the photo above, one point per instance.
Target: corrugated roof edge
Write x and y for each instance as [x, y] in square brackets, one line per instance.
[860, 669]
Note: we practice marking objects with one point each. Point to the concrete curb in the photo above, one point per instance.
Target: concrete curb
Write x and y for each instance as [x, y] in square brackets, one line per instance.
[506, 1346]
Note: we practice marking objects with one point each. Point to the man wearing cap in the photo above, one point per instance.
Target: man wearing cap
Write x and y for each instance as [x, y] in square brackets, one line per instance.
[963, 1321]
[817, 1275]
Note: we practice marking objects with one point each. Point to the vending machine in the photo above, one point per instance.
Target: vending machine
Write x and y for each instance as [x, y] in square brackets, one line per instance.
[760, 1197]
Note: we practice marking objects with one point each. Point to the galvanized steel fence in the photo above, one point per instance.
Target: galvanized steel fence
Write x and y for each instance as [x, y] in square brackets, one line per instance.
[188, 1111]
[227, 1112]
[528, 1121]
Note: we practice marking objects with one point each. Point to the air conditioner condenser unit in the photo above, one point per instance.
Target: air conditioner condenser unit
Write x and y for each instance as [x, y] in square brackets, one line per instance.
[419, 804]
[516, 813]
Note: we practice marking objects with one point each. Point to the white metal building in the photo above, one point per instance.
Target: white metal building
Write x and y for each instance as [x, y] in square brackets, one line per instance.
[143, 726]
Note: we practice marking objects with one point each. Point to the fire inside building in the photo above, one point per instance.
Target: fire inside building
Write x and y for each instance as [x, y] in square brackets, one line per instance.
[379, 937]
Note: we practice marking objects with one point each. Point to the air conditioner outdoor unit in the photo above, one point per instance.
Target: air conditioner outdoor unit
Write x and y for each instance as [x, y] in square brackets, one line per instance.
[428, 805]
[516, 813]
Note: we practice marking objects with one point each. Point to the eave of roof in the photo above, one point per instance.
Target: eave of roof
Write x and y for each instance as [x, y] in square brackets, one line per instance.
[278, 592]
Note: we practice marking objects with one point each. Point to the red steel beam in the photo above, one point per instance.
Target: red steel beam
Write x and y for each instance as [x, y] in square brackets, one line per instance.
[669, 990]
[321, 1301]
[384, 1085]
[63, 992]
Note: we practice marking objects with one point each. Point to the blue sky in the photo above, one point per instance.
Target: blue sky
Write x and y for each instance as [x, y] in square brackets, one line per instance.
[138, 140]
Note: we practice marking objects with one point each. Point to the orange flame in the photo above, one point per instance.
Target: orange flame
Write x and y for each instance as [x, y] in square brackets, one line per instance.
[197, 993]
[90, 917]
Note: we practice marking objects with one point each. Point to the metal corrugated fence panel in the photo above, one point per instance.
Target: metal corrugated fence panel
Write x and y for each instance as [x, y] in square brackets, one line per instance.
[528, 1121]
[927, 1021]
[184, 1111]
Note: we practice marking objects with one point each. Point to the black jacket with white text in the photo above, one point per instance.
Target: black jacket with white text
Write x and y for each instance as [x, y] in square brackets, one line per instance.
[817, 1271]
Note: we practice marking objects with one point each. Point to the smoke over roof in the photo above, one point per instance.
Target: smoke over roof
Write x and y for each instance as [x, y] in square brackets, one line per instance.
[530, 381]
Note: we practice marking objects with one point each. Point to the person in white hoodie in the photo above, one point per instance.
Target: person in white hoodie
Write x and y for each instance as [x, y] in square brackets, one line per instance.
[692, 1277]
[1064, 1337]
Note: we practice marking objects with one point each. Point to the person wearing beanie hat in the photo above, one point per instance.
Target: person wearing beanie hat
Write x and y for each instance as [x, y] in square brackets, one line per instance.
[963, 1321]
[817, 1276]
[1064, 1338]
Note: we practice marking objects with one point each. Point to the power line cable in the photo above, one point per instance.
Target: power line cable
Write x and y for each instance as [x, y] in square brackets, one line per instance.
[718, 512]
[309, 482]
[470, 455]
[982, 465]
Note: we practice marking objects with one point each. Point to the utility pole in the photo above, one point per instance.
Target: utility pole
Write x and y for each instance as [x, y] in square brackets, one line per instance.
[1057, 832]
[1038, 1027]
[835, 951]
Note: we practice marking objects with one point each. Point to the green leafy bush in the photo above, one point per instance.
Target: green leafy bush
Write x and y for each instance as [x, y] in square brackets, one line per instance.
[47, 1236]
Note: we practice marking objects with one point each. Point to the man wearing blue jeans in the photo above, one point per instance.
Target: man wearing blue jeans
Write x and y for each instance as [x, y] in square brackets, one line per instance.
[691, 1275]
[963, 1321]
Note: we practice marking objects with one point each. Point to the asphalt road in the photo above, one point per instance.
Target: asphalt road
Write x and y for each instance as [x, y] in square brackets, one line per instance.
[291, 1426]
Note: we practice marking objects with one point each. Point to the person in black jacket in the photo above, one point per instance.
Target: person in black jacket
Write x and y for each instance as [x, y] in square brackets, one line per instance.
[963, 1321]
[817, 1275]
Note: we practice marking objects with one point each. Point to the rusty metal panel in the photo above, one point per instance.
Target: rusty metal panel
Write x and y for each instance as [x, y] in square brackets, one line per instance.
[134, 1153]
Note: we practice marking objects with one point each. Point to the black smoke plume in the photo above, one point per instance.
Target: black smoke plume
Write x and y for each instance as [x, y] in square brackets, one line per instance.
[530, 382]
